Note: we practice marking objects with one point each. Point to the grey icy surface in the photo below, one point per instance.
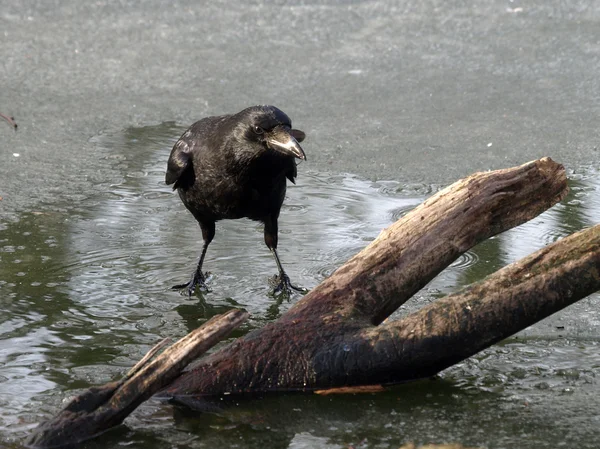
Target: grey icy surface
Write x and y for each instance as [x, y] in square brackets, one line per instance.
[422, 92]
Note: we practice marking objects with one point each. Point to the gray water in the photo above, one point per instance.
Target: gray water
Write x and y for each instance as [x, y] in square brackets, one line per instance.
[84, 286]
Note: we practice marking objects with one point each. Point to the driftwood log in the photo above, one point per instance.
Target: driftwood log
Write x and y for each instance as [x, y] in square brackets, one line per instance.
[336, 335]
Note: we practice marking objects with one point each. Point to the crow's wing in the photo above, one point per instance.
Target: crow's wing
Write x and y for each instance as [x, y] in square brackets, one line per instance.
[198, 139]
[180, 167]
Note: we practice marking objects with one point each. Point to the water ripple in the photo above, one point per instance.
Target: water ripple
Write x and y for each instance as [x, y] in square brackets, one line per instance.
[465, 260]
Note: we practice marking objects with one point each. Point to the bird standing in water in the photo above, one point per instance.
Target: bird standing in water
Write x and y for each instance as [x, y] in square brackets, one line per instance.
[235, 166]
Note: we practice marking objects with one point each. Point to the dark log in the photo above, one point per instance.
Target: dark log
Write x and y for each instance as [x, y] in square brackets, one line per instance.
[332, 337]
[101, 408]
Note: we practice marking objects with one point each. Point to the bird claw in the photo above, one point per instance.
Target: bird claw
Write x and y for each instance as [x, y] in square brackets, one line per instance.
[198, 280]
[284, 287]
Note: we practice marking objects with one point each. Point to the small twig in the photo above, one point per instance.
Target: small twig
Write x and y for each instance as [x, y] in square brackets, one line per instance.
[10, 120]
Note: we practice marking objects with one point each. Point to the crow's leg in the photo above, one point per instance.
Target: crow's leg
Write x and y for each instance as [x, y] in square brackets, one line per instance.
[283, 284]
[198, 277]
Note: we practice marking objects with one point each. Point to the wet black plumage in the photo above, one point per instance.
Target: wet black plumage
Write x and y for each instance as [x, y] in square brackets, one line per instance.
[235, 166]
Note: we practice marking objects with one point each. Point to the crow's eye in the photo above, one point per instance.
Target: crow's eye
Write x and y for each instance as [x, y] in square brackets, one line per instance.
[257, 129]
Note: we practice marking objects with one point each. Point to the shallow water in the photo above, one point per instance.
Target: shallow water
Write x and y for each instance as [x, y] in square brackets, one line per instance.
[85, 293]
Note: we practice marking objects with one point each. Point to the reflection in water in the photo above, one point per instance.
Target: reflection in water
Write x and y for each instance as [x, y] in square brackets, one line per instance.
[85, 292]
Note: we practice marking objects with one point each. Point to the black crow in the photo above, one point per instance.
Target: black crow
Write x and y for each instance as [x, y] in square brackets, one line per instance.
[234, 166]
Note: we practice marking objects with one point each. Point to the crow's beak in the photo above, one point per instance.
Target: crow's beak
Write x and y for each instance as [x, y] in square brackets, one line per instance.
[282, 139]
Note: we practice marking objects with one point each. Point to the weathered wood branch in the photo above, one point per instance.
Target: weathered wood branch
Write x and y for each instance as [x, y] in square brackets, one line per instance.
[412, 251]
[462, 324]
[101, 408]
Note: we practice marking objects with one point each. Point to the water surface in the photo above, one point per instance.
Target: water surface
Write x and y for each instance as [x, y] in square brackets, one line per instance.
[85, 290]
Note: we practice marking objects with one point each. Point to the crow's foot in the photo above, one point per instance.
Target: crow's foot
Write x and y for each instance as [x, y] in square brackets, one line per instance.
[198, 280]
[284, 287]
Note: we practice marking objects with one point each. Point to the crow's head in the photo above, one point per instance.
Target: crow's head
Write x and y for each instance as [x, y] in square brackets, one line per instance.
[270, 128]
